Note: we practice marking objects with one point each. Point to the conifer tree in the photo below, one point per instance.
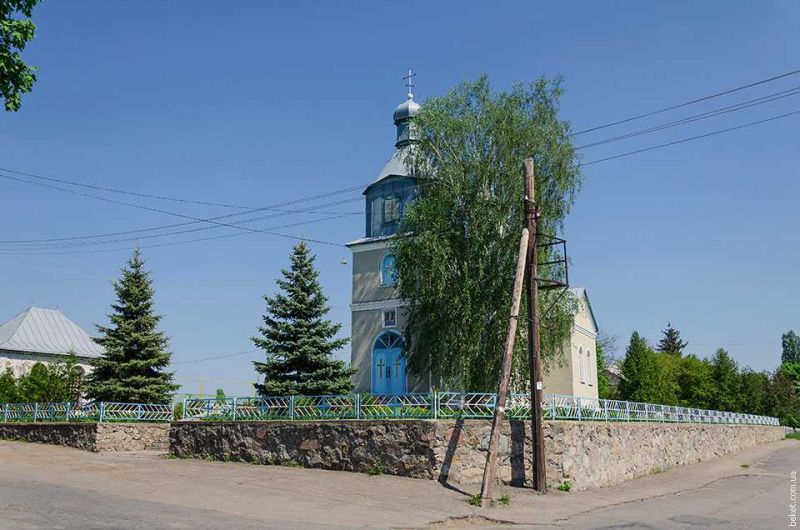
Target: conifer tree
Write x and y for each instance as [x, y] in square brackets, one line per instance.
[132, 369]
[790, 344]
[297, 339]
[671, 341]
[639, 370]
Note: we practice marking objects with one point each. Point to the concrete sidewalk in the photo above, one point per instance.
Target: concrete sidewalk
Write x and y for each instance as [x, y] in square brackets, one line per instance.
[53, 487]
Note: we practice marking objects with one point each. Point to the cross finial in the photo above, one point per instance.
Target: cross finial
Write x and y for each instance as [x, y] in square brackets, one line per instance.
[409, 78]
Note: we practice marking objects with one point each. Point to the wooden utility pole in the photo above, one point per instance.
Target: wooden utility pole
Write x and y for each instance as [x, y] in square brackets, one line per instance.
[505, 372]
[532, 214]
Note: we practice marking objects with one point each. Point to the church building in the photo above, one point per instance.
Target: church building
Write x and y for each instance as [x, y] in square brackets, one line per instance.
[377, 313]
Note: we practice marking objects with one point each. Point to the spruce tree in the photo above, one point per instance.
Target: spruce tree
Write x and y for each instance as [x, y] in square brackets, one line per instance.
[132, 369]
[671, 341]
[298, 340]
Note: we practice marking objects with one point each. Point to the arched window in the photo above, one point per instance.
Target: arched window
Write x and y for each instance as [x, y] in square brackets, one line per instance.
[581, 365]
[388, 270]
[589, 368]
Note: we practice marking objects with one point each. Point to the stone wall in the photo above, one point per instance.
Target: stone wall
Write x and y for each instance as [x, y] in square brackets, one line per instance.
[588, 454]
[92, 436]
[132, 437]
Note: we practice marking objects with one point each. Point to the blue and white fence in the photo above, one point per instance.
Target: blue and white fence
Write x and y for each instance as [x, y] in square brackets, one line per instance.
[450, 405]
[432, 405]
[101, 411]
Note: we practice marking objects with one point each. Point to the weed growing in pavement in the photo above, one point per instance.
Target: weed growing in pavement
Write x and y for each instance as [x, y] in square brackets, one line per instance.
[564, 486]
[475, 500]
[745, 466]
[504, 500]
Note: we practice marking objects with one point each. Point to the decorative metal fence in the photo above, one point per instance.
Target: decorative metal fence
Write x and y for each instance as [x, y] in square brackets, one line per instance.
[450, 405]
[374, 406]
[101, 411]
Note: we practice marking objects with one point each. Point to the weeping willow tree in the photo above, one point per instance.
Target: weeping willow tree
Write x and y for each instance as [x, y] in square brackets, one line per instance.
[457, 250]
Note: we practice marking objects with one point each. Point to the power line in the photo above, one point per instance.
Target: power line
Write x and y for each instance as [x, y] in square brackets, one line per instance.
[684, 140]
[37, 251]
[697, 117]
[686, 103]
[163, 234]
[227, 356]
[127, 192]
[168, 212]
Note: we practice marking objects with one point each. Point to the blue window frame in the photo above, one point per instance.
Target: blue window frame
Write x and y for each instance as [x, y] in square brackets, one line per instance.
[388, 270]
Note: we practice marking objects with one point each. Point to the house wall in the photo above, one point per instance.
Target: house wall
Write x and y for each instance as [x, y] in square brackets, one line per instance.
[21, 363]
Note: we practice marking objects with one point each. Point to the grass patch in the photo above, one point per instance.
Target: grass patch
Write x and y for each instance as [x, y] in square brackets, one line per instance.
[475, 500]
[793, 435]
[173, 456]
[290, 463]
[745, 466]
[504, 500]
[564, 486]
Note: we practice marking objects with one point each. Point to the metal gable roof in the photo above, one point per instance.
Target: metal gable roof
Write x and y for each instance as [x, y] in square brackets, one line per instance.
[38, 330]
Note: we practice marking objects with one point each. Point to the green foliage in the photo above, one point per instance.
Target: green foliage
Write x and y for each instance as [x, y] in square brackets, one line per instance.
[132, 369]
[177, 411]
[16, 77]
[377, 468]
[298, 340]
[790, 344]
[671, 341]
[9, 391]
[457, 269]
[639, 370]
[793, 436]
[475, 500]
[782, 399]
[695, 383]
[504, 500]
[57, 381]
[220, 394]
[564, 486]
[725, 373]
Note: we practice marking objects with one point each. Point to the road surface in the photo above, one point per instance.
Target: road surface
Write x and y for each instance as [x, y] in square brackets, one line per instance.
[60, 488]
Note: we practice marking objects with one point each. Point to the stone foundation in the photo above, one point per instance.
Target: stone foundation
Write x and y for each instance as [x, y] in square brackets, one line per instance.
[92, 436]
[588, 454]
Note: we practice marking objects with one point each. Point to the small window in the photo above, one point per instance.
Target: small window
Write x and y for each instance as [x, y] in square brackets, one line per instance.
[581, 366]
[388, 270]
[589, 368]
[389, 318]
[391, 209]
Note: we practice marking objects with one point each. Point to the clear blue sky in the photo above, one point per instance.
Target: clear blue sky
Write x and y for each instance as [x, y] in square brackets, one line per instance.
[269, 101]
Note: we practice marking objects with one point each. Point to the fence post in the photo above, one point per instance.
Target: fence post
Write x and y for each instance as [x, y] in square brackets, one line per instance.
[102, 411]
[138, 411]
[183, 409]
[435, 404]
[605, 408]
[357, 405]
[291, 407]
[67, 410]
[235, 406]
[552, 407]
[35, 412]
[578, 406]
[5, 412]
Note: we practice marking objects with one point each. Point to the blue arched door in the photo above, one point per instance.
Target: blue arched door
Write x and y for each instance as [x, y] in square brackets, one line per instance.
[388, 364]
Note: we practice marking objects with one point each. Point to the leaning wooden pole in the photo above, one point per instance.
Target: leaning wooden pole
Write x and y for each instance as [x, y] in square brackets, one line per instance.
[532, 214]
[505, 372]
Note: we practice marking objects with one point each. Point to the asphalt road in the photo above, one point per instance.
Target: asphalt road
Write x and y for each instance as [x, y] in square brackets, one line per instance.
[59, 488]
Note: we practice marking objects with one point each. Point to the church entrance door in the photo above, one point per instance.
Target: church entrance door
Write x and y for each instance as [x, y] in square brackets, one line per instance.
[388, 364]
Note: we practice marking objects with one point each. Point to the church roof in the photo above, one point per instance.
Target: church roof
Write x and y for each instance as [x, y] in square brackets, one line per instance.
[38, 330]
[395, 165]
[580, 292]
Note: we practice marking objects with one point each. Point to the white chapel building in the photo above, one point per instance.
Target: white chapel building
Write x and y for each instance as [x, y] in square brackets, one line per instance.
[44, 335]
[377, 354]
